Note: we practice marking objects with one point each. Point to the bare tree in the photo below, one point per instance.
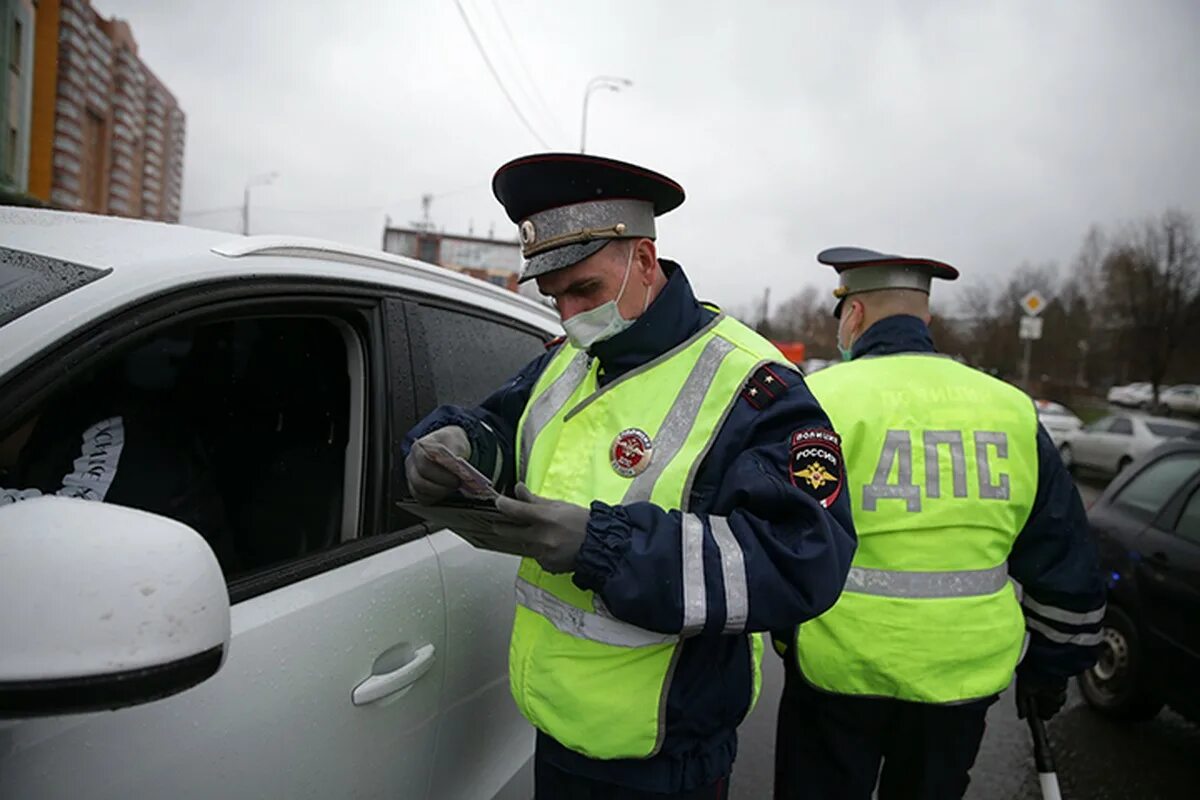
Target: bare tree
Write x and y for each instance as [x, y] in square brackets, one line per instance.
[807, 317]
[1151, 281]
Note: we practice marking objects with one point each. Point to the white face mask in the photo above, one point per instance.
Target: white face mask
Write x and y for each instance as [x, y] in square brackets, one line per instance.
[605, 320]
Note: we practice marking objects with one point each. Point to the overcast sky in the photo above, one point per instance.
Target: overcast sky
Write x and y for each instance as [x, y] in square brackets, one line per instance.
[984, 134]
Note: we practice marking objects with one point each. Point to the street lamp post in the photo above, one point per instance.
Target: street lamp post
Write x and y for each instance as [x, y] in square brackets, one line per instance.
[258, 180]
[598, 82]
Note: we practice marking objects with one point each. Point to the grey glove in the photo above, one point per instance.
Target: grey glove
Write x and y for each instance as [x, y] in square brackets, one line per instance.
[428, 481]
[550, 531]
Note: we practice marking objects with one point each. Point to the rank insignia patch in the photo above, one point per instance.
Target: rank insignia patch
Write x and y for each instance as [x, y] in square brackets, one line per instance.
[816, 464]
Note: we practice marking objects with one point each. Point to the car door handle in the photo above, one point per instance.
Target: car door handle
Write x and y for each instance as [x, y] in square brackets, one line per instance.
[1160, 559]
[401, 679]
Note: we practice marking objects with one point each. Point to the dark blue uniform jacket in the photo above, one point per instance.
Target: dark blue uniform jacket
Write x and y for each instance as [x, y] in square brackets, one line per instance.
[797, 552]
[1053, 560]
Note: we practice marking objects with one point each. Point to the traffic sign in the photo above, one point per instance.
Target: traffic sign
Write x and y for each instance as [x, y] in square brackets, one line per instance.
[1033, 303]
[1031, 327]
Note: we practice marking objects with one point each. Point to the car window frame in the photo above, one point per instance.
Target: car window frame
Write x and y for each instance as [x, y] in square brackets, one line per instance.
[425, 390]
[37, 379]
[1120, 419]
[1187, 431]
[1172, 513]
[1157, 517]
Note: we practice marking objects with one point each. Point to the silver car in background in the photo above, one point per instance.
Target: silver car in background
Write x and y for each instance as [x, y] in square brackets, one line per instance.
[1109, 444]
[1181, 399]
[1058, 420]
[1133, 395]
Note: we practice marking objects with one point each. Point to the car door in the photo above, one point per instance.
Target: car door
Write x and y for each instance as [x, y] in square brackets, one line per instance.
[1149, 504]
[1113, 444]
[1191, 400]
[1170, 582]
[480, 722]
[1086, 447]
[333, 676]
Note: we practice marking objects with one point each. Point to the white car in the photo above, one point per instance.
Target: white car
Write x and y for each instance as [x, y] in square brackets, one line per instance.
[1134, 395]
[1057, 419]
[1109, 444]
[303, 636]
[1181, 399]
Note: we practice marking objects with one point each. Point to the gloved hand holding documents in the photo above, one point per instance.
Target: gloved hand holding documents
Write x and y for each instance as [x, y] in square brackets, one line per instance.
[451, 493]
[549, 530]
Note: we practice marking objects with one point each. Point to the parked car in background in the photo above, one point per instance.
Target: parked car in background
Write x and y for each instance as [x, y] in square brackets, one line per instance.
[257, 390]
[1181, 399]
[1057, 419]
[1111, 443]
[1133, 395]
[1147, 529]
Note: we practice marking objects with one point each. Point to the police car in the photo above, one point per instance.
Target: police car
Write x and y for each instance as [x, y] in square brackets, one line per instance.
[207, 585]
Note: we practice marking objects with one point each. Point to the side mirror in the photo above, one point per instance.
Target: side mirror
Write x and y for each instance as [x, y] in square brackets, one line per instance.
[103, 607]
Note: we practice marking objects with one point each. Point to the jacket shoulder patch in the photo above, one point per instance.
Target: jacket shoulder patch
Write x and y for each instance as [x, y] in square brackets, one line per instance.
[765, 386]
[816, 464]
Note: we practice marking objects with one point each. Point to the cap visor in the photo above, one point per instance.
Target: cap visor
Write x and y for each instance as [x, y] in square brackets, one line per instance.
[561, 258]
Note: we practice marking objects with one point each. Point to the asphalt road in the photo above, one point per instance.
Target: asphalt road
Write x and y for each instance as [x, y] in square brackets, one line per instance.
[1155, 760]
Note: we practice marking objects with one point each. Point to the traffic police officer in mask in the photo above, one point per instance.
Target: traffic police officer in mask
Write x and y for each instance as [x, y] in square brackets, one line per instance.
[974, 558]
[651, 465]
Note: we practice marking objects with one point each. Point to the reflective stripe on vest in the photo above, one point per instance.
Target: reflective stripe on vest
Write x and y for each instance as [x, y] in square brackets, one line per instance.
[892, 583]
[596, 684]
[680, 419]
[550, 403]
[941, 464]
[585, 624]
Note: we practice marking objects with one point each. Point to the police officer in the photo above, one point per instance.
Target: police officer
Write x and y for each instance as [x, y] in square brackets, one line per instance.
[650, 457]
[973, 559]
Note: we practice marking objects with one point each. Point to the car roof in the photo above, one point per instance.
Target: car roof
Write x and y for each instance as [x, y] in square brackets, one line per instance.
[144, 258]
[132, 248]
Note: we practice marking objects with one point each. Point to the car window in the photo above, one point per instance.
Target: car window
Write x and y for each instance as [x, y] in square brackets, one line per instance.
[1169, 431]
[1188, 525]
[1121, 427]
[28, 281]
[248, 430]
[473, 356]
[1147, 492]
[1101, 425]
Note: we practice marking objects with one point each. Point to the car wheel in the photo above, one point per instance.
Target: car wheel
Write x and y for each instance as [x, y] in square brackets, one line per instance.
[1068, 458]
[1116, 685]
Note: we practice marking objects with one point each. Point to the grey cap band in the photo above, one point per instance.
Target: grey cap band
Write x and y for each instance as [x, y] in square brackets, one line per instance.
[562, 236]
[890, 276]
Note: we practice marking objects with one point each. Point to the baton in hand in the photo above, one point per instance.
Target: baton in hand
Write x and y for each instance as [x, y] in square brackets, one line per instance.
[1047, 776]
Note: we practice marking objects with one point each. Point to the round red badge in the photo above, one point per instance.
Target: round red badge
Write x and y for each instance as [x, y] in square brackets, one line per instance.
[631, 452]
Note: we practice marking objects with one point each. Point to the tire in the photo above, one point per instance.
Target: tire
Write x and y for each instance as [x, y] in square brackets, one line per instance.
[1068, 457]
[1116, 687]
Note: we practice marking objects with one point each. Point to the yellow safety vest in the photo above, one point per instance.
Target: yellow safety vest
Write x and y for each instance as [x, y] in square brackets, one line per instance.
[594, 683]
[941, 463]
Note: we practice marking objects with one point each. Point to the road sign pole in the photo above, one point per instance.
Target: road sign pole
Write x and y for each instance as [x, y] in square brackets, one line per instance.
[1030, 328]
[1025, 364]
